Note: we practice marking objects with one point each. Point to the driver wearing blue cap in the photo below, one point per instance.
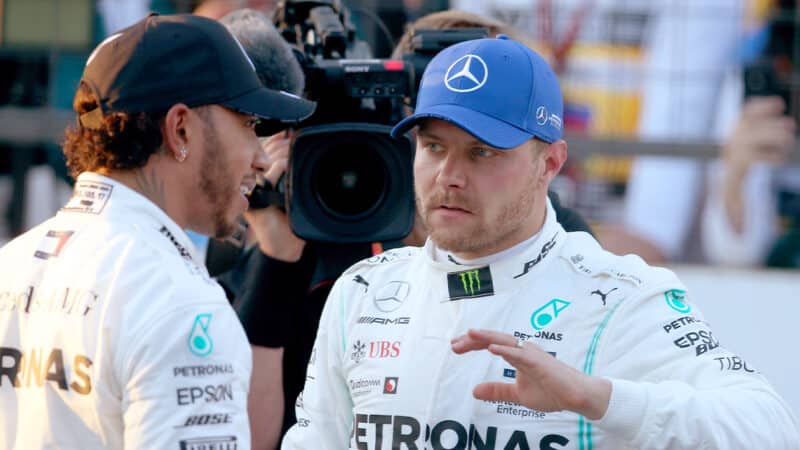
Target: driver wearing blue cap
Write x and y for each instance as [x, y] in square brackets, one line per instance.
[586, 349]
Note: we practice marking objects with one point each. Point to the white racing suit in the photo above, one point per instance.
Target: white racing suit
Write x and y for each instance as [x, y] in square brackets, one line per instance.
[112, 334]
[383, 375]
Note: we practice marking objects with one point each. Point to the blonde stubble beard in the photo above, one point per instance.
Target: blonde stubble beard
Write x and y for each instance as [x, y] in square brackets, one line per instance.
[485, 238]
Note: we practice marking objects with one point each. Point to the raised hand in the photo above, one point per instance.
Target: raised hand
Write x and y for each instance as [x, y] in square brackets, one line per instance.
[762, 134]
[542, 383]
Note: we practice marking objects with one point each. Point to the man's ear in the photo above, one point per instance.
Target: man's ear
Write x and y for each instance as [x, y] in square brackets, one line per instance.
[176, 130]
[555, 155]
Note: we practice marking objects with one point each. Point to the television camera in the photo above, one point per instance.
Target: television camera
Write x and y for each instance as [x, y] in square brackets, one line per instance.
[349, 181]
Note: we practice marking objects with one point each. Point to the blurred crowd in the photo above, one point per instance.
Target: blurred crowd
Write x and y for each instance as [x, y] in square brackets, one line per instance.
[674, 72]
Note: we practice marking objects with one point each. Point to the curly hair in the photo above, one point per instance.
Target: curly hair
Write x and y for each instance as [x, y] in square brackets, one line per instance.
[124, 141]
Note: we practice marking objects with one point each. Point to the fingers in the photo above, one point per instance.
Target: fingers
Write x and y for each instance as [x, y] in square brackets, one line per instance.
[763, 107]
[276, 149]
[517, 357]
[464, 344]
[503, 345]
[276, 169]
[763, 134]
[493, 337]
[769, 141]
[480, 340]
[277, 145]
[501, 392]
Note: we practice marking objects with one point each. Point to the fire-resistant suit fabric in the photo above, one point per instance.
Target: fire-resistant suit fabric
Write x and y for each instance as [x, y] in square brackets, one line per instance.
[112, 334]
[383, 375]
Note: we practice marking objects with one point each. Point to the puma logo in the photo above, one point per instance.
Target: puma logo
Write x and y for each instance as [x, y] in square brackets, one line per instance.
[602, 295]
[360, 280]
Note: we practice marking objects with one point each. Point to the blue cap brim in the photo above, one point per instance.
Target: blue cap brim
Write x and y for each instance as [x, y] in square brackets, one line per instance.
[494, 132]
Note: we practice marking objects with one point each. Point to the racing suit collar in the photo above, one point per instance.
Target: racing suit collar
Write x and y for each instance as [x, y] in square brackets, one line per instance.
[443, 255]
[103, 196]
[500, 275]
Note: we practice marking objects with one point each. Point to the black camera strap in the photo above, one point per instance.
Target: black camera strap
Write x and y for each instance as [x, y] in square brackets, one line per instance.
[264, 195]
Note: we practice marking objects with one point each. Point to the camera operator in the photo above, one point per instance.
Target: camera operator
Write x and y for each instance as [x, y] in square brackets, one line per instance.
[281, 287]
[277, 69]
[271, 284]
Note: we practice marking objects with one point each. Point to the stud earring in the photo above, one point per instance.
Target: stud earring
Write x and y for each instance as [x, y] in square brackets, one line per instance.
[182, 154]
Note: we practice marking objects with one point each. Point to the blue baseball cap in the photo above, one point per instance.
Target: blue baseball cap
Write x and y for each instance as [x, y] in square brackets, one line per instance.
[498, 90]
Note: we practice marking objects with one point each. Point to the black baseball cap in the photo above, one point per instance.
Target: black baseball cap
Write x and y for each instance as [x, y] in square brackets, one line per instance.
[164, 60]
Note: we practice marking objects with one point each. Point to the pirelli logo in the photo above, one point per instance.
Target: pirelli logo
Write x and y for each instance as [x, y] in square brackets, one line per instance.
[470, 283]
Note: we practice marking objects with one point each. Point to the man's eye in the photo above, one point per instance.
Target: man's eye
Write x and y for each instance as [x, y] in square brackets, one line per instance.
[253, 122]
[483, 152]
[433, 147]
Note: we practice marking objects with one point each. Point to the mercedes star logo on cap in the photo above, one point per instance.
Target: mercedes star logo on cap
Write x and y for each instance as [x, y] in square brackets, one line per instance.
[541, 115]
[473, 69]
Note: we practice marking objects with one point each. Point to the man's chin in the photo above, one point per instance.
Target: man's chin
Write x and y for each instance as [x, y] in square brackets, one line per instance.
[226, 223]
[224, 228]
[223, 233]
[450, 242]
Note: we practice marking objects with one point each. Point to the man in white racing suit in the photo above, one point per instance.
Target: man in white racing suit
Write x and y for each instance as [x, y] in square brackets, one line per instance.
[112, 333]
[598, 351]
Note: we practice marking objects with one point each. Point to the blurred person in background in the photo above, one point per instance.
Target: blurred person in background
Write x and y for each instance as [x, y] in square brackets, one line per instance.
[752, 208]
[279, 287]
[682, 97]
[593, 361]
[118, 14]
[112, 333]
[216, 9]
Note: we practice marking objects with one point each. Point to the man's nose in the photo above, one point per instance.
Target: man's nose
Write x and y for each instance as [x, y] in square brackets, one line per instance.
[452, 171]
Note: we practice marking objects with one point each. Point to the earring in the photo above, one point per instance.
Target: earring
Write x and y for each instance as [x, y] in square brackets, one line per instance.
[182, 154]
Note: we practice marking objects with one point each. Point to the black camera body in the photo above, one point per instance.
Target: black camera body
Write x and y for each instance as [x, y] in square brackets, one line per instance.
[762, 79]
[348, 181]
[773, 72]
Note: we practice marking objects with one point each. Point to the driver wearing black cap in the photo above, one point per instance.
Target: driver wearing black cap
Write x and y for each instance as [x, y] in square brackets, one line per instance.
[112, 334]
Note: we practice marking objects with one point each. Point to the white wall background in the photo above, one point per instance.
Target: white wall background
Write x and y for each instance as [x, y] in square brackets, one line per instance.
[755, 313]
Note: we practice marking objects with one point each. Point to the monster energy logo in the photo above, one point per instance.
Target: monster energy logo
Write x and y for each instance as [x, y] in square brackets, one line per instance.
[470, 283]
[467, 279]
